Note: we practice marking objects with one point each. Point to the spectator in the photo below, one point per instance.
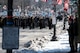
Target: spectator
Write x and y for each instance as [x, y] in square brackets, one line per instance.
[73, 32]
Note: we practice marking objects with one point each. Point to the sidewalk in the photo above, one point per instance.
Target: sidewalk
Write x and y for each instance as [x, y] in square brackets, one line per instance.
[40, 41]
[60, 46]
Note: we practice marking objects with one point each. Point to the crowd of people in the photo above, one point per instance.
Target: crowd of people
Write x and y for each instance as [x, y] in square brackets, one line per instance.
[29, 22]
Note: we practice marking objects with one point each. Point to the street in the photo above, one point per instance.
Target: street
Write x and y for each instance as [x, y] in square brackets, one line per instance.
[40, 22]
[45, 34]
[26, 35]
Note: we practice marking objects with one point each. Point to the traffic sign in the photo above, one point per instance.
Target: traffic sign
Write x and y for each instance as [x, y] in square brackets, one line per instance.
[10, 38]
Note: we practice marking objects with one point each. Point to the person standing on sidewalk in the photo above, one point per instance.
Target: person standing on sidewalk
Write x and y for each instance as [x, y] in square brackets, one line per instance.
[64, 21]
[73, 32]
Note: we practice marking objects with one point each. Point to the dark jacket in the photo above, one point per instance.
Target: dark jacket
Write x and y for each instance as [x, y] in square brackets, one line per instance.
[73, 28]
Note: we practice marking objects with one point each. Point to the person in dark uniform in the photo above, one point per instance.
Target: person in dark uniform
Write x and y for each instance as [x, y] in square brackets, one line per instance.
[50, 23]
[16, 22]
[32, 22]
[26, 22]
[29, 20]
[35, 22]
[64, 21]
[73, 32]
[41, 22]
[23, 23]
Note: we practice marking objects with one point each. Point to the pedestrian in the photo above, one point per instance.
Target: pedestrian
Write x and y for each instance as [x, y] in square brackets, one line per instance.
[73, 32]
[54, 22]
[59, 17]
[64, 21]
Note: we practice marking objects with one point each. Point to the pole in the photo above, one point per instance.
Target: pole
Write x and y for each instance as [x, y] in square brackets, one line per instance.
[9, 51]
[55, 23]
[10, 14]
[10, 10]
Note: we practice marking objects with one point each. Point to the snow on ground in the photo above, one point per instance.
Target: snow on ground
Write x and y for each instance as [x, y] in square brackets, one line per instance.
[40, 42]
[40, 47]
[62, 45]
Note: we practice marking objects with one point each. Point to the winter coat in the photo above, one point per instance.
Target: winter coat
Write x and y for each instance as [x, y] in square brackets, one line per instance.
[73, 28]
